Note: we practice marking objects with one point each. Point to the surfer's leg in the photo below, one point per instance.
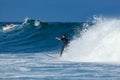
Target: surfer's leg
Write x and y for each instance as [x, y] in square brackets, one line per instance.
[62, 50]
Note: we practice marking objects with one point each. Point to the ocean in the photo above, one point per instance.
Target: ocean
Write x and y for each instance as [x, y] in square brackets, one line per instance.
[29, 50]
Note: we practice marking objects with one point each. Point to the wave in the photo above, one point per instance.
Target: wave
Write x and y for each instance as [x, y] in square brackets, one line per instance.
[35, 23]
[99, 42]
[89, 42]
[34, 36]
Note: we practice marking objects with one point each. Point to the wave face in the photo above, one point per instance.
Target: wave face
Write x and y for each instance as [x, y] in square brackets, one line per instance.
[33, 36]
[89, 42]
[99, 42]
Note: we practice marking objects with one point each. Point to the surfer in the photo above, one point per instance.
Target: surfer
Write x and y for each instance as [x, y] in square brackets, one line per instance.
[9, 25]
[64, 39]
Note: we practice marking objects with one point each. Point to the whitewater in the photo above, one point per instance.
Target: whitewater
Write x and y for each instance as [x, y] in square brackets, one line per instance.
[100, 42]
[92, 54]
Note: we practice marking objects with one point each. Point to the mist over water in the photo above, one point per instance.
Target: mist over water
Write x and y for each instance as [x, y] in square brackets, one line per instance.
[99, 42]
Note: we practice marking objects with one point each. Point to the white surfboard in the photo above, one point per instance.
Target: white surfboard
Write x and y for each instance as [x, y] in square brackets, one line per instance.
[53, 55]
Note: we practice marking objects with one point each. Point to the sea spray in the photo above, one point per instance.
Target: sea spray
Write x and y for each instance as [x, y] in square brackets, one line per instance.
[99, 43]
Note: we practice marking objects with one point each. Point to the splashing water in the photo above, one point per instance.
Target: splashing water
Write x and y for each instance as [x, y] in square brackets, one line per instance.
[37, 23]
[99, 43]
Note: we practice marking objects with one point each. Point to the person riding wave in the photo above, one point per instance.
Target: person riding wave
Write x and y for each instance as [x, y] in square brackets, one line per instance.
[64, 39]
[9, 25]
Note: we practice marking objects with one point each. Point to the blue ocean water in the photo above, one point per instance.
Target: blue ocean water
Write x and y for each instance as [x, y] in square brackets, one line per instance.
[26, 37]
[93, 52]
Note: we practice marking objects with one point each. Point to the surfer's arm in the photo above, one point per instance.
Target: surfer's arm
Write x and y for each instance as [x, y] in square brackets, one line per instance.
[58, 38]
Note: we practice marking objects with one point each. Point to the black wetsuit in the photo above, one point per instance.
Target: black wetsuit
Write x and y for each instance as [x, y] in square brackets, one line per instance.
[65, 42]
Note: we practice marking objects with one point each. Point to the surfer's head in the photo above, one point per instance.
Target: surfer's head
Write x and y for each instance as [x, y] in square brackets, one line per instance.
[63, 36]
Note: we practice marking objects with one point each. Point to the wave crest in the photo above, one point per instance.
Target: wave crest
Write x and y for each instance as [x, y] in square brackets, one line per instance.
[99, 43]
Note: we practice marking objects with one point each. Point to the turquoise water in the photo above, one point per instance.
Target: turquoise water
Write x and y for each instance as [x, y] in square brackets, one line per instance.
[92, 54]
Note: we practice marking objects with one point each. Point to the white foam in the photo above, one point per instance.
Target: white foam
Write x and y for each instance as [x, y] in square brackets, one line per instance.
[100, 43]
[37, 23]
[23, 69]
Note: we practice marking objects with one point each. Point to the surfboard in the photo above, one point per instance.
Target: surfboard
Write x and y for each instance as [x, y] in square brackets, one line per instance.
[53, 55]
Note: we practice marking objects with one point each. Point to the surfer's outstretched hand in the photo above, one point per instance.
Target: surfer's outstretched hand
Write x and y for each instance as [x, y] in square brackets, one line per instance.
[58, 38]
